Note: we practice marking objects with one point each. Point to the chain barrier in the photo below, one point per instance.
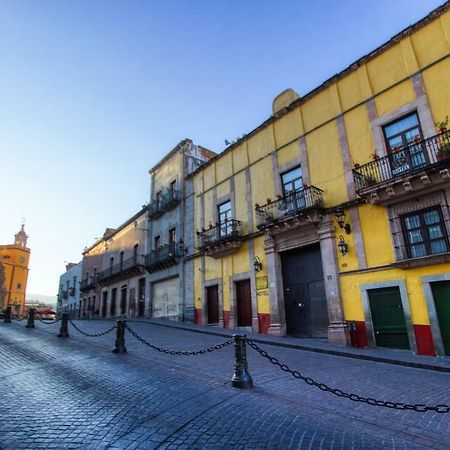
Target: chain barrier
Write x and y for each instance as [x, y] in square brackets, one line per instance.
[179, 352]
[19, 320]
[443, 409]
[48, 322]
[102, 333]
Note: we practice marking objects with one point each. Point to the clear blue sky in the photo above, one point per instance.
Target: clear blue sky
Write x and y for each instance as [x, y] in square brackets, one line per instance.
[95, 92]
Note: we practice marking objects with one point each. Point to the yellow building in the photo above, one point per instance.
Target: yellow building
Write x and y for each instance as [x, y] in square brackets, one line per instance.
[331, 218]
[14, 261]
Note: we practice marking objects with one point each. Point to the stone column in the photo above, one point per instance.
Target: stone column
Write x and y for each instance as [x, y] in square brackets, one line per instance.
[337, 329]
[276, 297]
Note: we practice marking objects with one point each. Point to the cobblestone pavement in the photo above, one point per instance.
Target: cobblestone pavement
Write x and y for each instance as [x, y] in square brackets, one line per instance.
[74, 393]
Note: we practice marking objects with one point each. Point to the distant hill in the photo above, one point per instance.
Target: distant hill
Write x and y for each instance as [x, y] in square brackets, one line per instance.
[39, 298]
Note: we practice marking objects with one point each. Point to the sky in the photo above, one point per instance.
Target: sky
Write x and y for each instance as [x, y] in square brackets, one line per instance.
[93, 93]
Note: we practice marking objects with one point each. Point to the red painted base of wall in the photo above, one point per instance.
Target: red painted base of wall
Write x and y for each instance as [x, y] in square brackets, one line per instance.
[226, 319]
[264, 323]
[424, 340]
[358, 333]
[198, 316]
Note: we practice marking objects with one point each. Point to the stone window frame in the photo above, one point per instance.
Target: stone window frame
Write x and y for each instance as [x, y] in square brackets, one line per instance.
[401, 285]
[419, 106]
[431, 308]
[220, 201]
[395, 211]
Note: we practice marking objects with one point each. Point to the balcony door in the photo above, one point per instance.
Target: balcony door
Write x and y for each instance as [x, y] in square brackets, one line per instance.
[400, 136]
[292, 184]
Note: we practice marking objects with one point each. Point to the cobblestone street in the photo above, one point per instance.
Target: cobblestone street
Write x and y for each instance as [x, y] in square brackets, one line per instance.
[74, 393]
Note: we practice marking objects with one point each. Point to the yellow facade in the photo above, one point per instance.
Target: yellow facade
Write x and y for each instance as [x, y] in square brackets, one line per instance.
[14, 260]
[327, 134]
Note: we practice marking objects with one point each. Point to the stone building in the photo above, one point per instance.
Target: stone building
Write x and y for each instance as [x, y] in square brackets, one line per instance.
[171, 245]
[68, 299]
[331, 218]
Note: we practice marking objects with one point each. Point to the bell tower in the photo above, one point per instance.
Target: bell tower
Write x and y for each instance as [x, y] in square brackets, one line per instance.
[21, 237]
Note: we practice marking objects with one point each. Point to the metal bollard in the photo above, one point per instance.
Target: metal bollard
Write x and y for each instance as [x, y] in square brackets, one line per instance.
[7, 318]
[120, 337]
[30, 321]
[241, 377]
[63, 331]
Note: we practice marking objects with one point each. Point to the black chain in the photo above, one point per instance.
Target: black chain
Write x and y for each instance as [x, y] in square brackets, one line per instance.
[353, 397]
[48, 322]
[179, 352]
[18, 320]
[102, 333]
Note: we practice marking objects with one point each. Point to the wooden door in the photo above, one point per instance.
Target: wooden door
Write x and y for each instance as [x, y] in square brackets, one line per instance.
[441, 295]
[212, 296]
[305, 301]
[104, 303]
[243, 304]
[388, 318]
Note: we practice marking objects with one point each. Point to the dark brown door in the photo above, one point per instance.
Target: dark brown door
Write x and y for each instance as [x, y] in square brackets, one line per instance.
[304, 293]
[243, 304]
[212, 295]
[104, 303]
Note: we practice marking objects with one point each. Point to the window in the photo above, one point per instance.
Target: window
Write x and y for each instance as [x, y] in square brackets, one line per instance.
[172, 238]
[135, 253]
[157, 242]
[292, 183]
[400, 134]
[95, 274]
[172, 188]
[158, 198]
[111, 264]
[292, 180]
[19, 286]
[121, 260]
[425, 233]
[224, 212]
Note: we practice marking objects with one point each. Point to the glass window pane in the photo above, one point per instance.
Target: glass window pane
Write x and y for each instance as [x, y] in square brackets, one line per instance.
[418, 250]
[431, 217]
[412, 222]
[401, 125]
[415, 236]
[395, 142]
[411, 134]
[435, 232]
[291, 175]
[438, 246]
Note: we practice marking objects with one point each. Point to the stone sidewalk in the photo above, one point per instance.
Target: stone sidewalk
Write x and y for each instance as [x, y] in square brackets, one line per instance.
[385, 355]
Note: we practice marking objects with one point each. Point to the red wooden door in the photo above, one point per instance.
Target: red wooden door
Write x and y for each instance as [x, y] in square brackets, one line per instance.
[212, 294]
[243, 304]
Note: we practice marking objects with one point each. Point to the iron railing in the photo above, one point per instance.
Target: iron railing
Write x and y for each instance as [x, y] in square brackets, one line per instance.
[230, 229]
[130, 263]
[167, 201]
[167, 254]
[88, 283]
[412, 158]
[293, 203]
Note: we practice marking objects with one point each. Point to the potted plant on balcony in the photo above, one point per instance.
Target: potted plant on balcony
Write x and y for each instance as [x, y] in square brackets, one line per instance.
[356, 165]
[441, 125]
[375, 155]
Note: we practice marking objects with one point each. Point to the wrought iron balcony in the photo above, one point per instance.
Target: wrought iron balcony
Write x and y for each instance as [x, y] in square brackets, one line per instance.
[128, 268]
[222, 239]
[65, 294]
[171, 199]
[156, 209]
[164, 257]
[167, 202]
[419, 162]
[72, 291]
[307, 202]
[88, 283]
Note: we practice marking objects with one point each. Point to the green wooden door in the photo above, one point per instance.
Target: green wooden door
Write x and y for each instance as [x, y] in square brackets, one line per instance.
[441, 295]
[388, 318]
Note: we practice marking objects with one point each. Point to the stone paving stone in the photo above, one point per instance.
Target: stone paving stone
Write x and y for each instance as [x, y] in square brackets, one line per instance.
[74, 393]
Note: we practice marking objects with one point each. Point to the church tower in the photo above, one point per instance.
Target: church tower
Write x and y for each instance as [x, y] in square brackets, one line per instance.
[21, 237]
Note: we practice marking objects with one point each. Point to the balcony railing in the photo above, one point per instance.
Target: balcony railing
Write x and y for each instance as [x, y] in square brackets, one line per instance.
[165, 256]
[229, 230]
[291, 204]
[65, 295]
[72, 291]
[128, 267]
[167, 202]
[88, 283]
[405, 161]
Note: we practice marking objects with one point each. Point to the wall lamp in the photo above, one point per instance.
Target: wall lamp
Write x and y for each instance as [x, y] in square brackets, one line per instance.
[257, 264]
[342, 245]
[340, 219]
